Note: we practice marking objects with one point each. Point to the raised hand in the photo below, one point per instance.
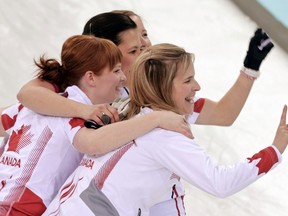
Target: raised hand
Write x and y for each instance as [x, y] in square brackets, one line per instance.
[281, 136]
[259, 46]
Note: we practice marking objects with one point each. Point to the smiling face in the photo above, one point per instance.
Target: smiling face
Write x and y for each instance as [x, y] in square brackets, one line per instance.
[163, 78]
[130, 48]
[184, 90]
[108, 85]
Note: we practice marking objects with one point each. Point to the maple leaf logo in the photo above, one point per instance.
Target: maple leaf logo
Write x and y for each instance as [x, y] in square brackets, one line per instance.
[19, 139]
[9, 122]
[75, 122]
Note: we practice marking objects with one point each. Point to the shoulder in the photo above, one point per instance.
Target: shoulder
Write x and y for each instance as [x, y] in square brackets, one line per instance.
[76, 94]
[159, 136]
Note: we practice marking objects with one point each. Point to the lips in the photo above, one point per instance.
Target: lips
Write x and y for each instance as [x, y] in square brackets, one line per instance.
[190, 100]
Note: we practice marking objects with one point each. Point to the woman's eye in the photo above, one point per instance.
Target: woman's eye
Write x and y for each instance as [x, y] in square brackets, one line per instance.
[117, 71]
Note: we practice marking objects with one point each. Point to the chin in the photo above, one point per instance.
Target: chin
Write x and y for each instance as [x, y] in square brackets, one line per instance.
[189, 111]
[186, 110]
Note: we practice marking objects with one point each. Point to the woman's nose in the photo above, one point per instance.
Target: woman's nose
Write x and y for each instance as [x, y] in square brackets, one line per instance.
[143, 43]
[196, 87]
[123, 77]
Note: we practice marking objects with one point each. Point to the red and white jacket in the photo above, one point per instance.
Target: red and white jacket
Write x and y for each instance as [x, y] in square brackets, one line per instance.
[145, 174]
[37, 158]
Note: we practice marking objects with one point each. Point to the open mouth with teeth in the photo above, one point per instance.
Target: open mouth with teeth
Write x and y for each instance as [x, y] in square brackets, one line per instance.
[190, 100]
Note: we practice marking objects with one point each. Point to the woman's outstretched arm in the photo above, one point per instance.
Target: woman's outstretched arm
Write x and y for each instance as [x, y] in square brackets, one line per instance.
[225, 112]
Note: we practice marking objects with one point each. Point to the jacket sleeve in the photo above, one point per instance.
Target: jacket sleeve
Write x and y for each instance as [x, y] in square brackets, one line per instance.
[188, 160]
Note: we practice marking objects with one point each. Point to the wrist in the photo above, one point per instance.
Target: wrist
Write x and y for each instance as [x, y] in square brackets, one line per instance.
[157, 118]
[249, 73]
[82, 110]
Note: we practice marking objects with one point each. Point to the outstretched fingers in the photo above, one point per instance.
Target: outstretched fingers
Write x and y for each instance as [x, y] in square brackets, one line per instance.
[283, 116]
[281, 136]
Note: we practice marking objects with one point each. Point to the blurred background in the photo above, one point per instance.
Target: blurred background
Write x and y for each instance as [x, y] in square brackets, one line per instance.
[218, 32]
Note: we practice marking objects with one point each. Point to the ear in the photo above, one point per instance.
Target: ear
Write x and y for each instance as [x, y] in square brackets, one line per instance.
[90, 78]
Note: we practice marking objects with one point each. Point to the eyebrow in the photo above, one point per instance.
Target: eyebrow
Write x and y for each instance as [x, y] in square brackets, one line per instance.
[189, 77]
[133, 47]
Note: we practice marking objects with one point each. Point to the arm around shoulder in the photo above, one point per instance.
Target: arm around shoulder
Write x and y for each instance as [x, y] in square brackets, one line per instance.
[113, 136]
[40, 96]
